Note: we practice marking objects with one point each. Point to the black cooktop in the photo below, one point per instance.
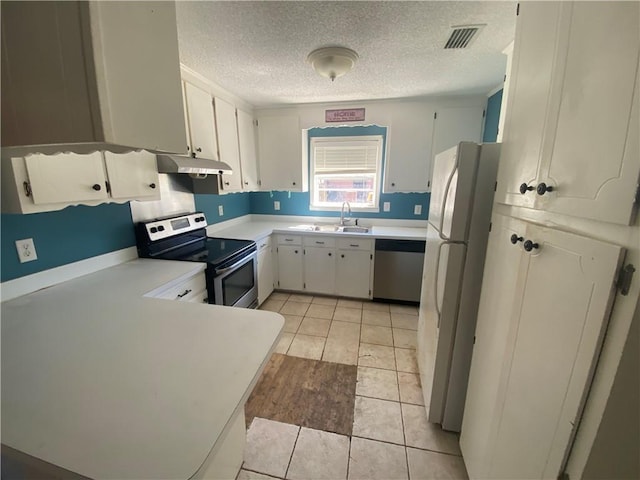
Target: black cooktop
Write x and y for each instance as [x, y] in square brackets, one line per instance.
[214, 251]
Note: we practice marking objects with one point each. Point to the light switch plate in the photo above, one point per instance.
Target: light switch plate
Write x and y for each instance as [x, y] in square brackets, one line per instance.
[220, 210]
[386, 206]
[276, 205]
[26, 250]
[417, 210]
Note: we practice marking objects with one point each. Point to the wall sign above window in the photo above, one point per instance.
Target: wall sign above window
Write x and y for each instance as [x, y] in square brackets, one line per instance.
[344, 115]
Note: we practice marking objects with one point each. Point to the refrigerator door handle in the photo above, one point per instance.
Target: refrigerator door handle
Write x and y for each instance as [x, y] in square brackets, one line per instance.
[444, 200]
[435, 283]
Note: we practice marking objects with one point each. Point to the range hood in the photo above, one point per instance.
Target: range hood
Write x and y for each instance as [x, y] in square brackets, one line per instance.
[171, 163]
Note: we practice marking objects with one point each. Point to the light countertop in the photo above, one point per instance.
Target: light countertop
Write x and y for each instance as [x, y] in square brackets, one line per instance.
[102, 381]
[258, 229]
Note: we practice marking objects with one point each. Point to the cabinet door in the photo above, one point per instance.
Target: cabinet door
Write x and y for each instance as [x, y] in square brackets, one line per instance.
[202, 129]
[407, 164]
[534, 47]
[455, 125]
[133, 175]
[500, 290]
[354, 273]
[558, 333]
[591, 155]
[320, 270]
[228, 144]
[280, 154]
[247, 143]
[66, 177]
[290, 267]
[265, 271]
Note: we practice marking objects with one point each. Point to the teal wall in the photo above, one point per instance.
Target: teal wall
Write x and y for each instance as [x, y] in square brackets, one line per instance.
[233, 204]
[65, 236]
[297, 203]
[492, 117]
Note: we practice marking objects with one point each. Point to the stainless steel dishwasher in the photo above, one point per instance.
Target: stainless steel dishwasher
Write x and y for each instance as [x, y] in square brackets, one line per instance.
[397, 271]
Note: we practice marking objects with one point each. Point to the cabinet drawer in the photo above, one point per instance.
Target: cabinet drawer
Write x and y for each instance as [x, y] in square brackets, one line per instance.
[265, 243]
[184, 290]
[289, 239]
[355, 243]
[315, 241]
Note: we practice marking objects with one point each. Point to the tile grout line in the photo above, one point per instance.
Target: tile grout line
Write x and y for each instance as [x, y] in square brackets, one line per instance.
[292, 451]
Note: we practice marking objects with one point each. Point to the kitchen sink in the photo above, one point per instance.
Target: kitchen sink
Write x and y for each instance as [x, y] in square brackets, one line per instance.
[353, 229]
[332, 228]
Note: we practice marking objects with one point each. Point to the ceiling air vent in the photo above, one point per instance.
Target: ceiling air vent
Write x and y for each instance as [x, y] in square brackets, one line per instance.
[462, 36]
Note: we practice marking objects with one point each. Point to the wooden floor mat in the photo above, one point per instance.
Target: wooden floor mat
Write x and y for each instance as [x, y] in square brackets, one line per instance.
[309, 393]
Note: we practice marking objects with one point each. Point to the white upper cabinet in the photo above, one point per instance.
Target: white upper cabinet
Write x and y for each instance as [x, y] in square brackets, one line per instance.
[247, 144]
[91, 72]
[132, 176]
[282, 164]
[200, 119]
[66, 177]
[42, 182]
[454, 125]
[571, 133]
[408, 159]
[227, 130]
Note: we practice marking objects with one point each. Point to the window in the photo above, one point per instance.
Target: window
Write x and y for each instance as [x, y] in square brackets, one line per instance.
[345, 169]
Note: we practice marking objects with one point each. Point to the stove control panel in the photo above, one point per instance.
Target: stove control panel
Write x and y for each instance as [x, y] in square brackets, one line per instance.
[169, 227]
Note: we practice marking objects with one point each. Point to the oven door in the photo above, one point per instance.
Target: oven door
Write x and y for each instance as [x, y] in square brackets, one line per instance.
[237, 284]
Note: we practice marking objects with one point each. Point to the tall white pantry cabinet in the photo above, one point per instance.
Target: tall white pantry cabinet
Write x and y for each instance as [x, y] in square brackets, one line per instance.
[555, 314]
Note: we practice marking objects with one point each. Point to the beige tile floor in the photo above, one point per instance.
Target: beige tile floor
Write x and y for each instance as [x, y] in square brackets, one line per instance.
[392, 438]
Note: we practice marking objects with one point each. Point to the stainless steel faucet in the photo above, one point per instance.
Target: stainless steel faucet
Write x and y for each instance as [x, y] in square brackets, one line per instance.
[342, 212]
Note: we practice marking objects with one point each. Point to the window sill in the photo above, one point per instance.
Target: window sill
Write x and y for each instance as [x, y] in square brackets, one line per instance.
[339, 209]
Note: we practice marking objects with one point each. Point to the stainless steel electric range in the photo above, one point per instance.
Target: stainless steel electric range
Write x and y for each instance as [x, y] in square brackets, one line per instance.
[231, 271]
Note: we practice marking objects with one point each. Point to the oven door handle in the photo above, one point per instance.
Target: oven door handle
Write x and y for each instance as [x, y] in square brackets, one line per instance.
[222, 271]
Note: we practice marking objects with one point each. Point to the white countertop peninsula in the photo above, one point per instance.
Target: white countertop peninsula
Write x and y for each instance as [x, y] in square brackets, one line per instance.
[255, 227]
[107, 383]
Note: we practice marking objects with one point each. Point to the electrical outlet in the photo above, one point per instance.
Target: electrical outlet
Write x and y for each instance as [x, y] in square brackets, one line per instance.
[276, 205]
[417, 210]
[220, 210]
[386, 206]
[26, 250]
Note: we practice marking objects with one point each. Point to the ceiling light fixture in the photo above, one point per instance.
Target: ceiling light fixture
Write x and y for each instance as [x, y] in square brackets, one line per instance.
[332, 62]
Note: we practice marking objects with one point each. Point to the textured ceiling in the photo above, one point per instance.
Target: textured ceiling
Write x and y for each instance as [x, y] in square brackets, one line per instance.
[258, 50]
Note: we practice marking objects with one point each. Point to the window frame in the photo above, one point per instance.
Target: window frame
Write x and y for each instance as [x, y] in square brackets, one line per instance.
[345, 140]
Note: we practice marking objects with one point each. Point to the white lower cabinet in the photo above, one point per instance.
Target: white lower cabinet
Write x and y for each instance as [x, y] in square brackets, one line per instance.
[289, 256]
[328, 265]
[355, 267]
[265, 269]
[536, 346]
[191, 289]
[319, 265]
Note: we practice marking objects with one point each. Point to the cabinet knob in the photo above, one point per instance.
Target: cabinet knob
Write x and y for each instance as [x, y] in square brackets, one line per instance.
[524, 188]
[393, 184]
[246, 183]
[515, 239]
[97, 187]
[544, 188]
[529, 245]
[226, 183]
[198, 149]
[295, 251]
[342, 255]
[152, 185]
[294, 183]
[329, 254]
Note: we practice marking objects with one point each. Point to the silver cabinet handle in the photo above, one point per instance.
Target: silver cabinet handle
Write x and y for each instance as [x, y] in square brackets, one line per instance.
[320, 243]
[288, 239]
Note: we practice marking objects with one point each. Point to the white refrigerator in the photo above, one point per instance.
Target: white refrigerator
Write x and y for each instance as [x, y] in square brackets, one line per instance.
[463, 184]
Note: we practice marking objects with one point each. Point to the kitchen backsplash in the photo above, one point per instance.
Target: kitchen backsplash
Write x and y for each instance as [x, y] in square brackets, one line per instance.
[297, 203]
[64, 236]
